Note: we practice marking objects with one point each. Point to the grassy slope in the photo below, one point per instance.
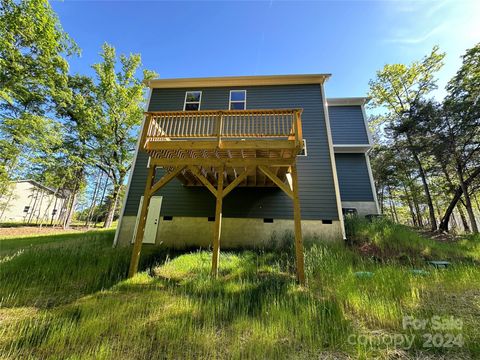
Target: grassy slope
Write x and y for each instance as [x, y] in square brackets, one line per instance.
[67, 298]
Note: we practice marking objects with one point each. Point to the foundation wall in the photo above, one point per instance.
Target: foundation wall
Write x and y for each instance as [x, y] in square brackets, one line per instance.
[363, 207]
[185, 232]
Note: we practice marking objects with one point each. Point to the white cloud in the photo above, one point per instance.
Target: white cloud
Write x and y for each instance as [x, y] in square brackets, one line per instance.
[419, 38]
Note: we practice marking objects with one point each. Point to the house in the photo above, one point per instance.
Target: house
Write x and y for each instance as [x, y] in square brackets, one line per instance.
[31, 202]
[264, 140]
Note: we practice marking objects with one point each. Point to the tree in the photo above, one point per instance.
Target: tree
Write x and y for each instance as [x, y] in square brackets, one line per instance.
[79, 112]
[458, 130]
[398, 88]
[33, 71]
[120, 96]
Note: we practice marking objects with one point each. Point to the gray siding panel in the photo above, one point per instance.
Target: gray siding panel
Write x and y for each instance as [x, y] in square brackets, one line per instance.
[353, 177]
[347, 124]
[317, 194]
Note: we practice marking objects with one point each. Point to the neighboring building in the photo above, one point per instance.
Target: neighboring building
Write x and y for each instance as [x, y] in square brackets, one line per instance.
[333, 168]
[31, 202]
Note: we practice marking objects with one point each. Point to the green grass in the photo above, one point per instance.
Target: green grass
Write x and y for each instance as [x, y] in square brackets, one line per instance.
[398, 242]
[68, 298]
[11, 244]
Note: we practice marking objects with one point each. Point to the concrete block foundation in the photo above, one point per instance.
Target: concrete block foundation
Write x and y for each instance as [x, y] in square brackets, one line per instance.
[187, 232]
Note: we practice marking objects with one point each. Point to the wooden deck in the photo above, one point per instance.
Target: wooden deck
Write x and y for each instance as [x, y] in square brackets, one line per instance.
[222, 150]
[236, 139]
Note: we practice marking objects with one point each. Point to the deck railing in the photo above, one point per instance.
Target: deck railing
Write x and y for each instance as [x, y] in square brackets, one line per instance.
[225, 124]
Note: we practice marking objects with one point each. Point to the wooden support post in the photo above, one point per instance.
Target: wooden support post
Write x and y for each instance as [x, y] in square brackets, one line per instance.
[218, 222]
[150, 189]
[137, 246]
[298, 228]
[298, 127]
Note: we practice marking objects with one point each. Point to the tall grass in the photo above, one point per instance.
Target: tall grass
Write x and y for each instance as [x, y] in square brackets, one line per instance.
[60, 268]
[400, 242]
[254, 309]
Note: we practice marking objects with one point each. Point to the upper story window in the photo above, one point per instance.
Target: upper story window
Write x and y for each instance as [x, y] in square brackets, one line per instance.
[238, 100]
[192, 101]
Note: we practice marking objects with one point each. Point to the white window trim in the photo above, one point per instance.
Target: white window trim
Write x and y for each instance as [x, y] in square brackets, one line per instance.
[199, 102]
[237, 101]
[304, 148]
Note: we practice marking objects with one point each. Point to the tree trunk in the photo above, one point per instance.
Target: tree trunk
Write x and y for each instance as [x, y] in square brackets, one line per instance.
[410, 206]
[466, 228]
[46, 212]
[468, 203]
[39, 207]
[6, 205]
[94, 199]
[32, 209]
[458, 194]
[113, 205]
[413, 192]
[54, 207]
[417, 210]
[454, 222]
[71, 210]
[101, 200]
[63, 210]
[392, 205]
[423, 177]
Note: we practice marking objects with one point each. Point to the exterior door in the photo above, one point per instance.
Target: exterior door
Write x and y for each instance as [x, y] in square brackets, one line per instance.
[153, 218]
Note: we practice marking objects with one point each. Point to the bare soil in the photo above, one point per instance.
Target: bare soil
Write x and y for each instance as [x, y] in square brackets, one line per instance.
[438, 235]
[35, 230]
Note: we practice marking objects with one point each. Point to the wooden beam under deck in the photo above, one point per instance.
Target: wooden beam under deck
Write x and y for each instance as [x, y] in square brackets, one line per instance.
[226, 145]
[215, 162]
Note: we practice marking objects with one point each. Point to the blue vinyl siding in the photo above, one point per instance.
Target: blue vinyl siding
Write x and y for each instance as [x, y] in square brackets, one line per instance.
[348, 125]
[353, 177]
[317, 194]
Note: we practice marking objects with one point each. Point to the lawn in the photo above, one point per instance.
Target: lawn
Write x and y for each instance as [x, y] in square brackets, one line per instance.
[67, 297]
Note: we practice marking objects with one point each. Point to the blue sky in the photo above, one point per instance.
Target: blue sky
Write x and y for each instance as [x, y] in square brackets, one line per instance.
[349, 39]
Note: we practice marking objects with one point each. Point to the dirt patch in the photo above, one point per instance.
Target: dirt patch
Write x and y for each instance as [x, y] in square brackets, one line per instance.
[34, 231]
[369, 249]
[439, 236]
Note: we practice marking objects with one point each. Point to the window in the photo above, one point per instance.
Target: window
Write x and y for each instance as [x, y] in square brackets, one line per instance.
[238, 100]
[192, 101]
[304, 150]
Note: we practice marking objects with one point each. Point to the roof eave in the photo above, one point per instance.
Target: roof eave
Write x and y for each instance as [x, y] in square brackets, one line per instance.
[238, 81]
[36, 183]
[348, 101]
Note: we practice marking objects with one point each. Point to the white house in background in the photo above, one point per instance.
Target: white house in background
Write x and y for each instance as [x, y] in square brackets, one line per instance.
[31, 202]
